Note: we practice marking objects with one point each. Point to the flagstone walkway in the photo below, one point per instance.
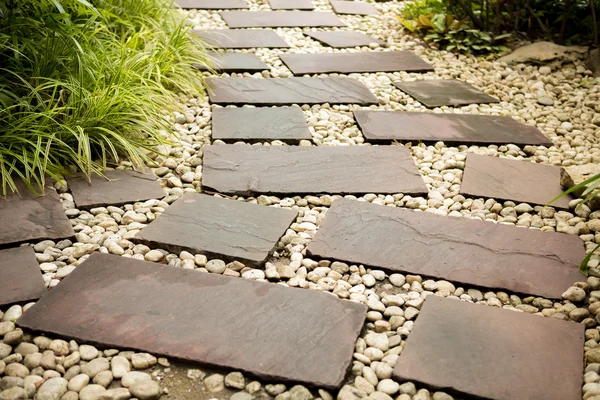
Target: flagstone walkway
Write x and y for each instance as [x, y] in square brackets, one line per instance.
[349, 215]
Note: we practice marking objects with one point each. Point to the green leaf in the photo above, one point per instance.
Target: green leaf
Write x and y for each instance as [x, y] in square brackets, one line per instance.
[583, 267]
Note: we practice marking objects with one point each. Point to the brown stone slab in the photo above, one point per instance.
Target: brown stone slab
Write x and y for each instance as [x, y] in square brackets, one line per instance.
[444, 92]
[279, 19]
[235, 62]
[20, 276]
[516, 180]
[242, 170]
[120, 188]
[342, 39]
[493, 353]
[218, 228]
[353, 7]
[457, 249]
[213, 4]
[241, 38]
[291, 5]
[344, 63]
[450, 128]
[286, 91]
[256, 124]
[27, 217]
[267, 330]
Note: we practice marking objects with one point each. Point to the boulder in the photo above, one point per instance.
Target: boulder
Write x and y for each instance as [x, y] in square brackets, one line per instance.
[544, 52]
[574, 175]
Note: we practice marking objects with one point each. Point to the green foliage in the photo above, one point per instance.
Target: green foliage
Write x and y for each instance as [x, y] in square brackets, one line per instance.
[414, 10]
[83, 86]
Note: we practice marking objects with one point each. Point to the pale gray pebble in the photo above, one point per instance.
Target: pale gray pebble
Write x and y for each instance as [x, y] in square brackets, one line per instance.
[146, 390]
[574, 294]
[397, 279]
[91, 392]
[116, 394]
[119, 366]
[214, 383]
[70, 396]
[87, 352]
[276, 389]
[299, 392]
[216, 266]
[96, 366]
[104, 378]
[408, 388]
[235, 380]
[348, 392]
[241, 396]
[52, 389]
[422, 394]
[253, 387]
[442, 396]
[388, 386]
[134, 376]
[143, 360]
[78, 382]
[14, 393]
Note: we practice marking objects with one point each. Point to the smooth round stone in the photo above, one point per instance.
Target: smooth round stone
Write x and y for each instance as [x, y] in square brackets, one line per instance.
[143, 360]
[78, 382]
[91, 392]
[235, 380]
[388, 386]
[241, 396]
[397, 279]
[96, 366]
[52, 389]
[14, 393]
[119, 366]
[134, 376]
[13, 313]
[116, 394]
[16, 370]
[59, 347]
[104, 378]
[87, 352]
[146, 390]
[215, 383]
[216, 266]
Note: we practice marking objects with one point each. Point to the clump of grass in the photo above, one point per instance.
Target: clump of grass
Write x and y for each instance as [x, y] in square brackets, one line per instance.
[84, 86]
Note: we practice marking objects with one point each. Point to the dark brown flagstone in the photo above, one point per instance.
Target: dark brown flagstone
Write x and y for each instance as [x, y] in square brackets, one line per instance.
[291, 5]
[20, 276]
[241, 38]
[342, 39]
[212, 4]
[280, 19]
[353, 7]
[444, 92]
[235, 62]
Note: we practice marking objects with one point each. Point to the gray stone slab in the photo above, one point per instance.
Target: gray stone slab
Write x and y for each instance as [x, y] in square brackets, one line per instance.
[353, 7]
[286, 91]
[120, 188]
[456, 249]
[20, 275]
[212, 4]
[385, 126]
[235, 62]
[291, 5]
[516, 180]
[235, 169]
[451, 338]
[263, 329]
[342, 39]
[218, 228]
[280, 19]
[379, 61]
[27, 217]
[242, 38]
[258, 124]
[444, 92]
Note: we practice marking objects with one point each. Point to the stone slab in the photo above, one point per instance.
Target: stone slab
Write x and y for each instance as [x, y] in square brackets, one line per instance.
[242, 38]
[444, 92]
[121, 187]
[451, 338]
[235, 62]
[291, 5]
[257, 124]
[243, 170]
[345, 63]
[456, 249]
[280, 19]
[27, 217]
[213, 4]
[516, 180]
[269, 331]
[342, 39]
[286, 91]
[452, 129]
[218, 228]
[353, 7]
[20, 275]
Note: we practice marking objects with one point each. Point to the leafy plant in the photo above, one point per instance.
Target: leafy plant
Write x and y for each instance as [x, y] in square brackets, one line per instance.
[417, 8]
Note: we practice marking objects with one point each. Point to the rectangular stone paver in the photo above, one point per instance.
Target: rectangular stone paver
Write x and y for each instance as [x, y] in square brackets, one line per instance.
[213, 4]
[491, 353]
[218, 228]
[286, 91]
[266, 330]
[242, 38]
[236, 169]
[291, 5]
[516, 180]
[342, 39]
[20, 275]
[27, 217]
[262, 123]
[235, 62]
[457, 249]
[353, 7]
[355, 62]
[450, 128]
[444, 92]
[280, 19]
[120, 188]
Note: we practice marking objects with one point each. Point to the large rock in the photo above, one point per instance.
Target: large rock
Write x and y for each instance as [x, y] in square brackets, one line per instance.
[593, 62]
[544, 52]
[574, 175]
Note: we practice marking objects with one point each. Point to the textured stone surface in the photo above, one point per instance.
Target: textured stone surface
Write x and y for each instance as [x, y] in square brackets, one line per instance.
[212, 4]
[236, 169]
[282, 91]
[291, 5]
[516, 180]
[353, 7]
[121, 187]
[522, 356]
[449, 128]
[342, 39]
[26, 217]
[241, 39]
[235, 62]
[456, 249]
[444, 92]
[355, 62]
[576, 174]
[219, 228]
[280, 19]
[262, 123]
[270, 331]
[20, 276]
